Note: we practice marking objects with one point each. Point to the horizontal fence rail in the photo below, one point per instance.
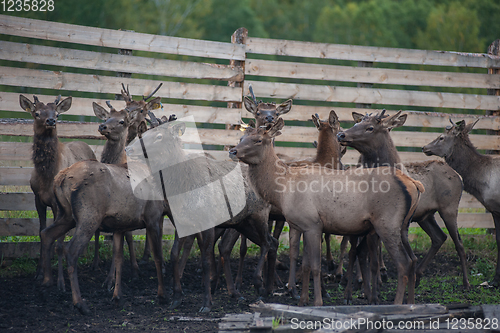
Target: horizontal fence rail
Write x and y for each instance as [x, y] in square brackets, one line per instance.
[276, 69]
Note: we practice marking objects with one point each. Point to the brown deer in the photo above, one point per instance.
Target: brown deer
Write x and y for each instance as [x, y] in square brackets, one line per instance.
[480, 173]
[312, 203]
[192, 169]
[370, 136]
[328, 154]
[91, 195]
[49, 157]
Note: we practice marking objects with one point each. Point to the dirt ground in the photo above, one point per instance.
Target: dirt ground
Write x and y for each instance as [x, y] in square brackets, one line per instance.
[22, 308]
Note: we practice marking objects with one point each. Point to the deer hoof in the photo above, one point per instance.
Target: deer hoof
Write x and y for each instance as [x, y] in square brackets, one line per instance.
[175, 304]
[82, 307]
[204, 309]
[294, 294]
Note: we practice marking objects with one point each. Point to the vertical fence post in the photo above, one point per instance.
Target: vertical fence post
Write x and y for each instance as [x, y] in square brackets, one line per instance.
[493, 49]
[238, 37]
[364, 85]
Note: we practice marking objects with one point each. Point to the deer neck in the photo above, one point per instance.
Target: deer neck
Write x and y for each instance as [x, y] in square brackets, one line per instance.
[114, 151]
[47, 153]
[467, 162]
[383, 152]
[266, 176]
[328, 151]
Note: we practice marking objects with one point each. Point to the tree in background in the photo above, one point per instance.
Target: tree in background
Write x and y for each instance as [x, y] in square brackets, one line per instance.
[452, 27]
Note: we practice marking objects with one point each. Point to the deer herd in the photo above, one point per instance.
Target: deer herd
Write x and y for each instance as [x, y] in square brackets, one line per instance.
[370, 204]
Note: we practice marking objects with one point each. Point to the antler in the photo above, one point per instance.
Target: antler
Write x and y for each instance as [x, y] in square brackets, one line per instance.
[252, 94]
[109, 105]
[35, 99]
[126, 93]
[154, 92]
[58, 99]
[154, 121]
[451, 121]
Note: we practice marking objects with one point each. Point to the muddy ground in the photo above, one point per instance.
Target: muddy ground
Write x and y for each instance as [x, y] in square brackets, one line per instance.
[22, 308]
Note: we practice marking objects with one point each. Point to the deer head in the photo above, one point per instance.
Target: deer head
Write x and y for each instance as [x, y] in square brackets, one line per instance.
[369, 129]
[265, 113]
[45, 115]
[444, 144]
[255, 142]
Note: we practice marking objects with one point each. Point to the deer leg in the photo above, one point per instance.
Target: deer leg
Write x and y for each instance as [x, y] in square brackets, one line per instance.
[373, 243]
[154, 236]
[111, 277]
[294, 241]
[340, 267]
[186, 250]
[438, 237]
[174, 259]
[496, 219]
[329, 256]
[449, 217]
[41, 209]
[350, 268]
[226, 244]
[312, 251]
[74, 249]
[364, 271]
[133, 257]
[241, 263]
[47, 238]
[382, 272]
[271, 263]
[95, 262]
[60, 255]
[118, 259]
[147, 252]
[206, 242]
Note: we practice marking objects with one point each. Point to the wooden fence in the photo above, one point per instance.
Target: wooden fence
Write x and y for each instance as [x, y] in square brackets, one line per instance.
[207, 80]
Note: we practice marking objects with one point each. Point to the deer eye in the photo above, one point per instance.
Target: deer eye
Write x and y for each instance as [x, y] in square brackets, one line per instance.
[441, 138]
[258, 141]
[369, 129]
[257, 113]
[37, 114]
[122, 122]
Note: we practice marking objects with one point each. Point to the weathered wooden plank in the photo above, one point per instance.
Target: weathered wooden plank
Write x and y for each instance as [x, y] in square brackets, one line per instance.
[297, 70]
[17, 201]
[388, 309]
[115, 62]
[415, 118]
[471, 220]
[83, 107]
[31, 227]
[373, 96]
[23, 77]
[369, 53]
[23, 27]
[492, 311]
[15, 176]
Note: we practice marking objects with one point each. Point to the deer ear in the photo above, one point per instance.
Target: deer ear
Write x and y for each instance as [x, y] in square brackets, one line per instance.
[394, 121]
[274, 131]
[460, 126]
[142, 128]
[315, 120]
[333, 120]
[469, 127]
[100, 112]
[284, 107]
[250, 104]
[357, 117]
[179, 129]
[26, 104]
[154, 104]
[64, 105]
